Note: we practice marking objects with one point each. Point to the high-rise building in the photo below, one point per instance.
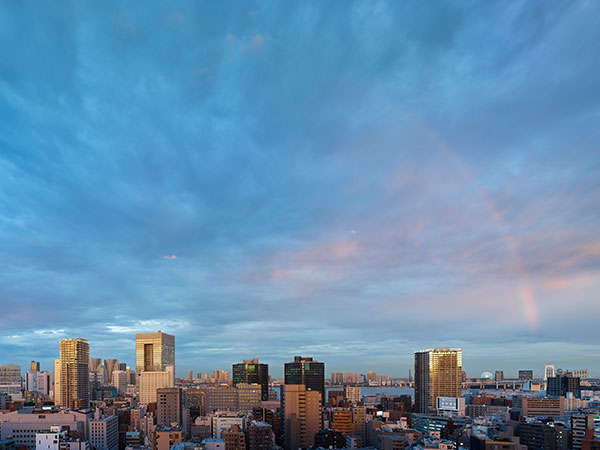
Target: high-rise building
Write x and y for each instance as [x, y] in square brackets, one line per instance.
[437, 374]
[150, 382]
[154, 363]
[559, 386]
[499, 375]
[249, 396]
[350, 378]
[122, 366]
[154, 351]
[34, 366]
[581, 373]
[525, 374]
[260, 436]
[581, 424]
[251, 371]
[306, 372]
[549, 371]
[10, 380]
[169, 406]
[95, 363]
[71, 374]
[301, 415]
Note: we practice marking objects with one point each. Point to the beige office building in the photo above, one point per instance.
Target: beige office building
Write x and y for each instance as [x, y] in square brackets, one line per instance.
[71, 374]
[154, 363]
[302, 415]
[154, 351]
[150, 382]
[438, 373]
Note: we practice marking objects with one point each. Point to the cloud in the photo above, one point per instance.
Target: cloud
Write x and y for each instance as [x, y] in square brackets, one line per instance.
[321, 181]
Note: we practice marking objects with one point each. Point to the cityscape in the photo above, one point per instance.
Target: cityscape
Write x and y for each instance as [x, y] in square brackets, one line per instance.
[87, 402]
[300, 224]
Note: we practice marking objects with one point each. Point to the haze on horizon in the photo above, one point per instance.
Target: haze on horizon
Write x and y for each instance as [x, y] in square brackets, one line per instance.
[352, 181]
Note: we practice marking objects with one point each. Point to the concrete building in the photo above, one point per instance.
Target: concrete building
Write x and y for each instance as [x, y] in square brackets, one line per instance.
[71, 374]
[22, 427]
[11, 382]
[220, 398]
[251, 371]
[549, 371]
[525, 374]
[260, 436]
[342, 421]
[562, 384]
[104, 432]
[350, 378]
[224, 421]
[213, 444]
[248, 397]
[235, 438]
[301, 415]
[169, 406]
[438, 373]
[581, 424]
[41, 382]
[531, 406]
[150, 382]
[352, 394]
[165, 437]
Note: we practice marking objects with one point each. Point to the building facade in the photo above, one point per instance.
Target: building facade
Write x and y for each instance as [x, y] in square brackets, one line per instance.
[438, 373]
[71, 374]
[251, 371]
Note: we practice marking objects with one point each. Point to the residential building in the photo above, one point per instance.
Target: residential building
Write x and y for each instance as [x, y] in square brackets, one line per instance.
[437, 374]
[301, 415]
[352, 394]
[71, 374]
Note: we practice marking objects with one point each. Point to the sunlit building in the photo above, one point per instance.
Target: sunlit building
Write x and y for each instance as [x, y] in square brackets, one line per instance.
[437, 374]
[251, 371]
[71, 374]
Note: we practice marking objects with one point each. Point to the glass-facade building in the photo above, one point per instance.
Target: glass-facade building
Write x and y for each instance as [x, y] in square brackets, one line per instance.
[438, 373]
[307, 372]
[71, 374]
[252, 372]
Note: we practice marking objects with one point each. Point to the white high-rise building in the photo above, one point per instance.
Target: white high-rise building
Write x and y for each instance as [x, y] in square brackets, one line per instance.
[104, 432]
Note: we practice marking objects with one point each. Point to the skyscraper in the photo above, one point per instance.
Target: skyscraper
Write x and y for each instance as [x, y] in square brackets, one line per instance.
[525, 375]
[307, 372]
[252, 372]
[301, 415]
[438, 373]
[154, 351]
[154, 363]
[34, 366]
[71, 374]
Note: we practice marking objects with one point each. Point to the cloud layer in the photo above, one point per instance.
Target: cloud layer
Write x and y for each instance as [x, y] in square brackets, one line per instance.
[352, 181]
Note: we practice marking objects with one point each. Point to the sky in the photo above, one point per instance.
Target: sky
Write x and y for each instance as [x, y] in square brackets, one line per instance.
[352, 181]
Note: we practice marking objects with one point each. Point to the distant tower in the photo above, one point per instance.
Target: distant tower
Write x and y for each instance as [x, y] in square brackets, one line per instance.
[35, 366]
[252, 371]
[549, 372]
[307, 372]
[154, 364]
[410, 378]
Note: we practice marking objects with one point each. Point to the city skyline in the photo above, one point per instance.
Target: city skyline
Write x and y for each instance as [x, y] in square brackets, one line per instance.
[353, 182]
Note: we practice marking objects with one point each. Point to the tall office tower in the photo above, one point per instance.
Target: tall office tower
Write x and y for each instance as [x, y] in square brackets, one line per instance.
[169, 406]
[559, 386]
[150, 382]
[71, 374]
[499, 375]
[34, 366]
[154, 352]
[438, 373]
[110, 365]
[122, 366]
[525, 375]
[249, 397]
[154, 363]
[337, 378]
[307, 372]
[95, 363]
[301, 415]
[549, 371]
[251, 371]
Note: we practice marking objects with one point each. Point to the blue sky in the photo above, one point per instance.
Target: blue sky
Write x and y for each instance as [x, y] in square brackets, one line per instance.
[352, 181]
